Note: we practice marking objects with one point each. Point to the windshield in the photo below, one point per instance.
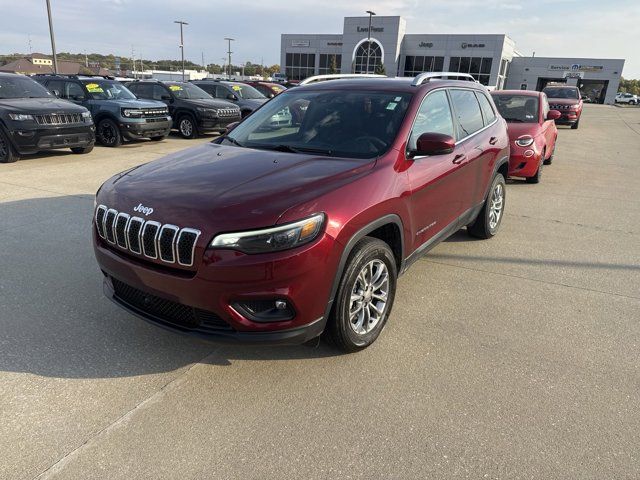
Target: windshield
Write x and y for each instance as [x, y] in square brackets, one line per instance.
[246, 91]
[517, 108]
[340, 123]
[188, 91]
[21, 87]
[561, 92]
[107, 90]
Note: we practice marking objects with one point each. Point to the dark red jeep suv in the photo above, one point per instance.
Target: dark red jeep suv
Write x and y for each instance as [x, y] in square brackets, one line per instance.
[274, 234]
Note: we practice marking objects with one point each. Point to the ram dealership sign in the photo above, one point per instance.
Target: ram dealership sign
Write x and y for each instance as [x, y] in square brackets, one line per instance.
[576, 67]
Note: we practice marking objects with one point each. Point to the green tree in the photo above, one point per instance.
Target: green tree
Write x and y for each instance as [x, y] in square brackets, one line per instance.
[379, 70]
[333, 65]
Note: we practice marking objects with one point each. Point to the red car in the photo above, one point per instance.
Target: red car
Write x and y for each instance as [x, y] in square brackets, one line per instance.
[268, 89]
[568, 101]
[532, 131]
[274, 234]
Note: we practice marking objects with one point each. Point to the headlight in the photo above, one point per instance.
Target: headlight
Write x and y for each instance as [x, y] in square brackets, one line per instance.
[575, 107]
[273, 239]
[132, 112]
[86, 116]
[20, 117]
[524, 141]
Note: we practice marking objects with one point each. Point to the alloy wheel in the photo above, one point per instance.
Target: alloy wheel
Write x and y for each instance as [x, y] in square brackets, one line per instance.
[186, 127]
[495, 209]
[108, 134]
[369, 297]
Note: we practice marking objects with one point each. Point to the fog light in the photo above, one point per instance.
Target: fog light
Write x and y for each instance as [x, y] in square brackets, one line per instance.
[529, 153]
[265, 310]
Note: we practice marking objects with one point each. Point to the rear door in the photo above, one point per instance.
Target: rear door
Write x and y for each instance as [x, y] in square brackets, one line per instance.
[436, 181]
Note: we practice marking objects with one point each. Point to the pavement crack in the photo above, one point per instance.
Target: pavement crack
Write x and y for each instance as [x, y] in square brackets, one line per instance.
[125, 417]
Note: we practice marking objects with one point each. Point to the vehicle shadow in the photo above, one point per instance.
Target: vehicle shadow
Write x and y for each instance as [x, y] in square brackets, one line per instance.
[55, 321]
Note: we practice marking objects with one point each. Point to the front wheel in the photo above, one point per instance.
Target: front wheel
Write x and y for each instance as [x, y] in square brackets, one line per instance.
[365, 295]
[487, 223]
[108, 133]
[7, 155]
[187, 127]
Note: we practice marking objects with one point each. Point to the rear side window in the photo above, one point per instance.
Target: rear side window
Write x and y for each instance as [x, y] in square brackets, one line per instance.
[434, 116]
[487, 110]
[467, 111]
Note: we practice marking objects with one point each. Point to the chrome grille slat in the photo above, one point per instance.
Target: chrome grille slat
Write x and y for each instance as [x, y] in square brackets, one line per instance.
[58, 119]
[167, 243]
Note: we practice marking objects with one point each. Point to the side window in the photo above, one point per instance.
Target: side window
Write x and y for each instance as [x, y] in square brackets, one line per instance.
[221, 91]
[158, 92]
[467, 111]
[56, 85]
[74, 91]
[210, 89]
[434, 115]
[487, 110]
[143, 90]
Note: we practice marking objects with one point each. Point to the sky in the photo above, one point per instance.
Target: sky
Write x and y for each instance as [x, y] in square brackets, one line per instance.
[553, 28]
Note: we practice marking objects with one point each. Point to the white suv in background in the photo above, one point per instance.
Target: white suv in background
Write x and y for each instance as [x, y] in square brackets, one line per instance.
[627, 98]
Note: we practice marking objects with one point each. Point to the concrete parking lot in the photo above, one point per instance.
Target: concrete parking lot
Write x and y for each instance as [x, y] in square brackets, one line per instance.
[516, 357]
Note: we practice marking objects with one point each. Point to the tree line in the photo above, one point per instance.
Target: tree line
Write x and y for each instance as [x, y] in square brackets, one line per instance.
[630, 86]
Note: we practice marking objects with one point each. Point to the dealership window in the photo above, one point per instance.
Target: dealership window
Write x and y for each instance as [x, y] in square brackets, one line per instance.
[370, 50]
[326, 59]
[415, 64]
[299, 66]
[479, 67]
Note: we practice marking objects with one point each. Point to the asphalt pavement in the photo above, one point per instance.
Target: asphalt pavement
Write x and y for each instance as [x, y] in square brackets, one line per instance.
[516, 357]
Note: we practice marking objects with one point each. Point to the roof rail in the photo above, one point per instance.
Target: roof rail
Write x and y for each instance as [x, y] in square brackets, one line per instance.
[423, 77]
[337, 76]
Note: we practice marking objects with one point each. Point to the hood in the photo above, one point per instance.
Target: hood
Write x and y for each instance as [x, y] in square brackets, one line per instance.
[40, 105]
[210, 103]
[218, 188]
[139, 103]
[563, 101]
[516, 130]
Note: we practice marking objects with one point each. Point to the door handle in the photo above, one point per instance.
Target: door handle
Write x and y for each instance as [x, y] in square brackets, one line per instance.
[493, 140]
[458, 159]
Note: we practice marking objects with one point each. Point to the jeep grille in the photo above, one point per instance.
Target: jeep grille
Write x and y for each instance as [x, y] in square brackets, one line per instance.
[168, 243]
[58, 119]
[228, 112]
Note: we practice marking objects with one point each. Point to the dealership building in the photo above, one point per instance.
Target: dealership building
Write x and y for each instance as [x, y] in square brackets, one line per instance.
[492, 59]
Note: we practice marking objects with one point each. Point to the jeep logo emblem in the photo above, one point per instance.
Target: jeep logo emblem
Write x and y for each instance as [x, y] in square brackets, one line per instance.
[142, 209]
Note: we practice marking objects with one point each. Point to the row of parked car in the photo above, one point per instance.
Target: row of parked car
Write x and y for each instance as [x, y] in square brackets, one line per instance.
[56, 111]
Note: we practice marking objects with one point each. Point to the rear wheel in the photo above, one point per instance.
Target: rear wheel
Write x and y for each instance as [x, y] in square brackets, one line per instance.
[108, 133]
[487, 223]
[82, 150]
[7, 155]
[187, 127]
[365, 296]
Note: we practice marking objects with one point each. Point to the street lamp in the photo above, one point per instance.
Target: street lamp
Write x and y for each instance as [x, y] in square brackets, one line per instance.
[181, 43]
[53, 41]
[371, 14]
[229, 52]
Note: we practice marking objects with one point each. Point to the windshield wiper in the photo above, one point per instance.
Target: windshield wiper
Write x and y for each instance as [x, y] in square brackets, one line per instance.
[517, 120]
[233, 140]
[288, 148]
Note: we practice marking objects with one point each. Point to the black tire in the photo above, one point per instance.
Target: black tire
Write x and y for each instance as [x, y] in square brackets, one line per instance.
[7, 154]
[82, 150]
[575, 125]
[108, 134]
[549, 160]
[538, 176]
[342, 331]
[244, 113]
[482, 226]
[187, 127]
[158, 138]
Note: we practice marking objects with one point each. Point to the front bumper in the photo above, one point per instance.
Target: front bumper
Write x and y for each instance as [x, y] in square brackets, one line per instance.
[216, 124]
[303, 278]
[568, 118]
[33, 140]
[146, 128]
[521, 165]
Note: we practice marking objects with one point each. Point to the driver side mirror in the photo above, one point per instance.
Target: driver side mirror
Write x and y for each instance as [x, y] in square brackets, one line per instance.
[231, 96]
[56, 93]
[553, 115]
[231, 126]
[432, 143]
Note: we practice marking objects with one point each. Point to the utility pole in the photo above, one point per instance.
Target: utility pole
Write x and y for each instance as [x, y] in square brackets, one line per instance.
[53, 40]
[133, 63]
[181, 23]
[30, 46]
[371, 14]
[229, 52]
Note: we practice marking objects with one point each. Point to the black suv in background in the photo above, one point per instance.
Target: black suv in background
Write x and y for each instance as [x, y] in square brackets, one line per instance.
[117, 113]
[193, 110]
[31, 120]
[244, 96]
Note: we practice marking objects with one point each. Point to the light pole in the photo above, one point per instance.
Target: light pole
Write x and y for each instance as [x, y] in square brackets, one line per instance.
[53, 40]
[181, 43]
[229, 52]
[371, 14]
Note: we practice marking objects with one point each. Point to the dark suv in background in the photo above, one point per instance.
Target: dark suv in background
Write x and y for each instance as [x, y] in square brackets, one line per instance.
[194, 111]
[244, 96]
[117, 113]
[273, 234]
[32, 119]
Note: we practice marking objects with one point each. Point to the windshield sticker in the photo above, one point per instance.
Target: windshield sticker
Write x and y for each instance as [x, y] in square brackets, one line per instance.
[392, 106]
[94, 88]
[397, 99]
[175, 88]
[278, 89]
[237, 88]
